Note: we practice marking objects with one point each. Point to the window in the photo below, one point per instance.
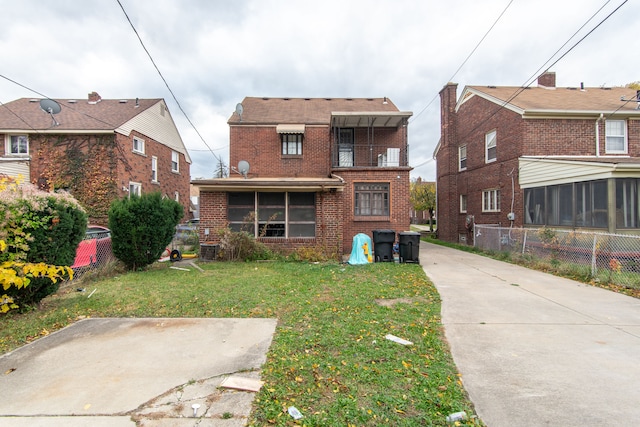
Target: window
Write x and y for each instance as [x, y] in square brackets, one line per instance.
[581, 204]
[138, 145]
[292, 144]
[462, 158]
[627, 203]
[491, 201]
[135, 189]
[371, 199]
[463, 203]
[490, 146]
[175, 161]
[274, 215]
[154, 169]
[616, 137]
[345, 147]
[17, 145]
[176, 196]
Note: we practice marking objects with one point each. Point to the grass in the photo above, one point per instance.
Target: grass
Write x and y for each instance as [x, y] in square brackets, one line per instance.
[329, 357]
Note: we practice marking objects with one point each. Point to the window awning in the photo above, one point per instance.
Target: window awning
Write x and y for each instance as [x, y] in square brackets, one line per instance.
[290, 128]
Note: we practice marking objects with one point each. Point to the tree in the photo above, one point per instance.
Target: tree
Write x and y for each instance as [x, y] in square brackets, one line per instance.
[423, 198]
[142, 227]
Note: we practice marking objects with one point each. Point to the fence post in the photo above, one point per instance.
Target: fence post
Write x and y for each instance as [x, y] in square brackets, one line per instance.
[594, 268]
[524, 241]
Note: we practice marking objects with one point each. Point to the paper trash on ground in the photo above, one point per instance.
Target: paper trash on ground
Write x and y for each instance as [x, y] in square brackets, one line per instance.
[398, 339]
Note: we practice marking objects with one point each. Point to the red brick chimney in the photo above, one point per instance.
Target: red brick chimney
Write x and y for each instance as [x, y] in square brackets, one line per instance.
[94, 98]
[547, 79]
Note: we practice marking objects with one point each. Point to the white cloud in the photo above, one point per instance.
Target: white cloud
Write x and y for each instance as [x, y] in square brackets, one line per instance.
[215, 53]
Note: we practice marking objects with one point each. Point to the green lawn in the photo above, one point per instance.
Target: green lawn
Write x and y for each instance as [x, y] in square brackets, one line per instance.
[329, 357]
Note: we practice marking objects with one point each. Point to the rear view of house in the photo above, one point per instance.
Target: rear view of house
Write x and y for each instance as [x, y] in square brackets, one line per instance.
[311, 172]
[566, 157]
[98, 149]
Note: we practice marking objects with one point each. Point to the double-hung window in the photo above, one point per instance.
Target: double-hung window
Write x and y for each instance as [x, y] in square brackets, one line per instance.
[462, 158]
[491, 200]
[154, 169]
[17, 145]
[616, 137]
[135, 189]
[292, 144]
[463, 203]
[175, 162]
[490, 147]
[371, 199]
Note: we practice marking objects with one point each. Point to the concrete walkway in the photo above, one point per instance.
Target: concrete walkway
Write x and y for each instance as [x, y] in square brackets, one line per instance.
[534, 349]
[128, 372]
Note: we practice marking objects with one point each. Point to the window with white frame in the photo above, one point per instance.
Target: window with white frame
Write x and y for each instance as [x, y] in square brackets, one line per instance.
[177, 196]
[154, 169]
[463, 203]
[135, 189]
[491, 200]
[462, 158]
[616, 137]
[292, 144]
[490, 147]
[17, 145]
[138, 145]
[175, 161]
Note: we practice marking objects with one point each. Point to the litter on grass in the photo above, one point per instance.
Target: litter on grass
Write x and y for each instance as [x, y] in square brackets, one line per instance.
[180, 268]
[398, 339]
[293, 411]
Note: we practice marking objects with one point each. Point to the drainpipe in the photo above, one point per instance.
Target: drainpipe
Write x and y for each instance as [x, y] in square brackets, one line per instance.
[598, 134]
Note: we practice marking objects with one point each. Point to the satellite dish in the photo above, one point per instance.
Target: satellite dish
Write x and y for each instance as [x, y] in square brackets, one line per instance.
[239, 110]
[50, 107]
[243, 167]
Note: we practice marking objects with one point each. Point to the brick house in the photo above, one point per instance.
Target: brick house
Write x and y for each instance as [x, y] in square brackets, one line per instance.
[320, 171]
[538, 156]
[98, 149]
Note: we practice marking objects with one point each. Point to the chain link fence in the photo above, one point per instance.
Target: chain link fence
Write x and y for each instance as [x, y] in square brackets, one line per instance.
[94, 252]
[607, 258]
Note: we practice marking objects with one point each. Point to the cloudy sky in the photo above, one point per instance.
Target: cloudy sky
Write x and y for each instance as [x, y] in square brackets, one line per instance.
[213, 53]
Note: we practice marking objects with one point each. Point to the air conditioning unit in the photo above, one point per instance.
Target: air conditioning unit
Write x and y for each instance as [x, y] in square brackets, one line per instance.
[393, 157]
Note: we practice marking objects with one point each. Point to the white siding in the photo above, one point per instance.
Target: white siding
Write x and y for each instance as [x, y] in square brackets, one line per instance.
[160, 127]
[537, 172]
[15, 167]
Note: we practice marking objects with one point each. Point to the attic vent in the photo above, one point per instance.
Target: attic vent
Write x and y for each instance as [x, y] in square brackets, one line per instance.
[606, 88]
[265, 99]
[72, 101]
[286, 99]
[307, 99]
[328, 99]
[349, 99]
[369, 99]
[491, 87]
[123, 101]
[572, 88]
[33, 100]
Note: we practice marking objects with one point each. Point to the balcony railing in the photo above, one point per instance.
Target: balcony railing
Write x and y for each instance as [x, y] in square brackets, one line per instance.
[367, 155]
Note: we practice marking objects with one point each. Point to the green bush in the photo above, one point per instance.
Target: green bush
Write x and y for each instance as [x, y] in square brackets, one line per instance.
[142, 227]
[39, 227]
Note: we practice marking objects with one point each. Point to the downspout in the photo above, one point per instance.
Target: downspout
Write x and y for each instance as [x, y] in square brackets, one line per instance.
[598, 134]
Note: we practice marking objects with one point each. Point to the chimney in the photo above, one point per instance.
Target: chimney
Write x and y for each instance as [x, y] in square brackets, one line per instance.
[547, 79]
[94, 98]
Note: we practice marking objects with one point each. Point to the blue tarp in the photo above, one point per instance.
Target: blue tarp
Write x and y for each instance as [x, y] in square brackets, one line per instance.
[361, 250]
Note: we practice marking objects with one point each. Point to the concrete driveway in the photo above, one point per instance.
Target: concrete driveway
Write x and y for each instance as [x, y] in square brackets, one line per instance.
[535, 349]
[116, 372]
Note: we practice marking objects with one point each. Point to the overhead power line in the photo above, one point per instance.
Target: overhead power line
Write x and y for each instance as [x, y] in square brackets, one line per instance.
[218, 159]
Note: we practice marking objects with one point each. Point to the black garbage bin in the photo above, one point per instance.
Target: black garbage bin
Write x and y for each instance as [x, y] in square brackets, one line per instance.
[409, 242]
[383, 245]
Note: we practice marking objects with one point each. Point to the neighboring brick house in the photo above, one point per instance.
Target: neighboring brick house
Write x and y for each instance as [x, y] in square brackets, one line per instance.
[538, 156]
[321, 171]
[98, 149]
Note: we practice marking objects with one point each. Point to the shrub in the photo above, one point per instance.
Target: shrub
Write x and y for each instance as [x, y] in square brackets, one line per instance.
[142, 227]
[40, 229]
[240, 245]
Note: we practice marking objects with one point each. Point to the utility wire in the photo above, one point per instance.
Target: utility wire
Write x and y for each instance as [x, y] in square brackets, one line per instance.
[218, 159]
[465, 61]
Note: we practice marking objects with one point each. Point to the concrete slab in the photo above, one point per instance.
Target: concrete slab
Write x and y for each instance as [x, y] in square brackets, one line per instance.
[110, 368]
[535, 349]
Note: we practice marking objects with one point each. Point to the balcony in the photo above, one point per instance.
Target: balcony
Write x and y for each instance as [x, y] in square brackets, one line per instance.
[367, 155]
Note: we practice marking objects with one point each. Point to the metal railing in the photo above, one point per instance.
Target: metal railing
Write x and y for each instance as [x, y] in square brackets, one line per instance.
[368, 155]
[607, 258]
